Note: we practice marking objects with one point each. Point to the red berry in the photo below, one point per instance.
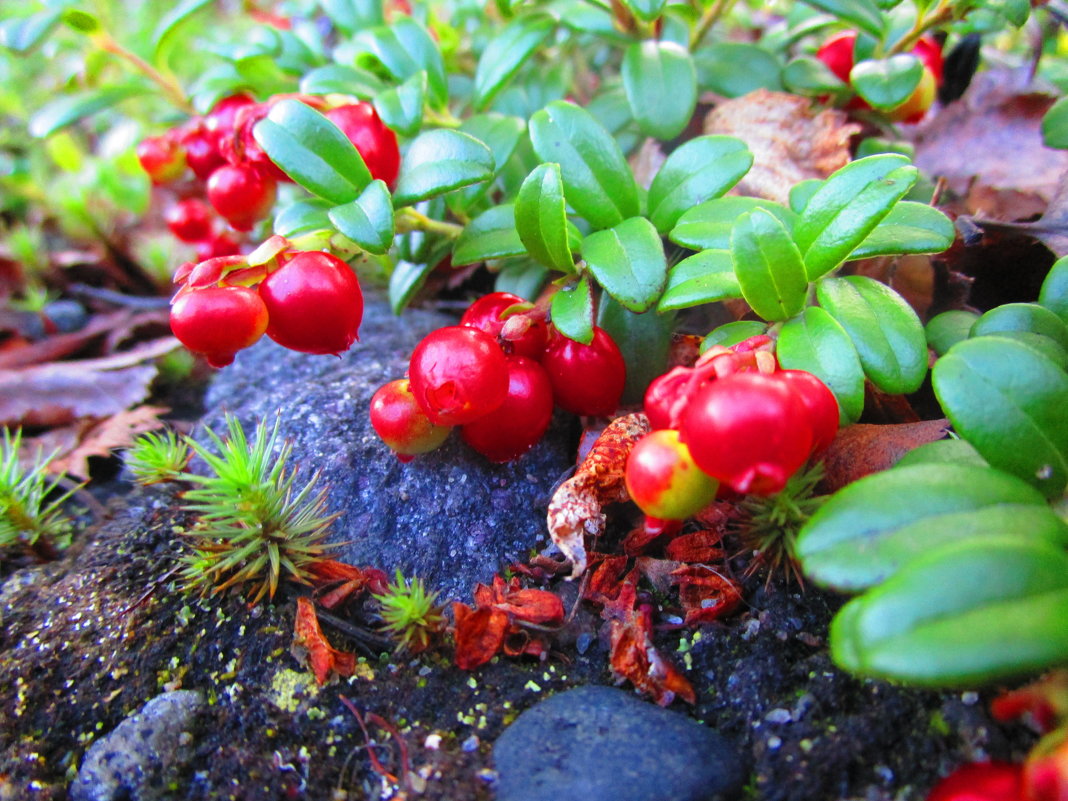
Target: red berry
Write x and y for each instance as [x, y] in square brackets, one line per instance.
[162, 158]
[218, 321]
[315, 303]
[221, 119]
[458, 374]
[749, 431]
[190, 220]
[216, 245]
[526, 336]
[822, 406]
[837, 54]
[376, 143]
[514, 427]
[663, 479]
[586, 379]
[929, 52]
[402, 425]
[664, 399]
[202, 151]
[981, 781]
[241, 194]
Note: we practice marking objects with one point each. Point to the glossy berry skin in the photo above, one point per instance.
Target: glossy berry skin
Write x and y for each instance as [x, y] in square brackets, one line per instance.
[663, 479]
[376, 143]
[819, 401]
[190, 220]
[315, 303]
[837, 53]
[241, 194]
[586, 379]
[662, 398]
[458, 374]
[218, 321]
[487, 314]
[749, 431]
[516, 426]
[402, 425]
[216, 245]
[162, 158]
[202, 151]
[981, 781]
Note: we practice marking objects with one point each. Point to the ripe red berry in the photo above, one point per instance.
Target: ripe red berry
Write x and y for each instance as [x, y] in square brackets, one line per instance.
[190, 220]
[822, 406]
[218, 321]
[220, 120]
[664, 399]
[402, 425]
[514, 427]
[586, 379]
[241, 194]
[663, 479]
[202, 151]
[749, 431]
[216, 245]
[981, 781]
[315, 303]
[458, 374]
[376, 143]
[162, 158]
[491, 312]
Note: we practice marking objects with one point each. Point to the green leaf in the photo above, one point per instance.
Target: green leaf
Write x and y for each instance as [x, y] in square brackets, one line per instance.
[869, 529]
[541, 218]
[522, 277]
[732, 333]
[863, 14]
[885, 330]
[439, 161]
[405, 48]
[80, 20]
[1007, 400]
[354, 15]
[501, 134]
[807, 75]
[401, 108]
[491, 235]
[889, 82]
[406, 280]
[643, 339]
[311, 150]
[302, 217]
[815, 342]
[709, 224]
[802, 192]
[342, 80]
[23, 34]
[661, 85]
[368, 220]
[945, 330]
[733, 69]
[572, 311]
[69, 109]
[598, 184]
[645, 10]
[1055, 125]
[506, 52]
[628, 262]
[848, 207]
[1022, 317]
[768, 265]
[1054, 292]
[701, 169]
[943, 451]
[704, 277]
[164, 35]
[963, 614]
[908, 228]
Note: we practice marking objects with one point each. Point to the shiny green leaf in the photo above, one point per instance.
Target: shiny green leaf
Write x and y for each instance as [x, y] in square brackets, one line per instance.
[887, 83]
[404, 48]
[807, 75]
[401, 107]
[732, 333]
[704, 277]
[815, 342]
[1031, 317]
[541, 218]
[661, 85]
[1054, 292]
[506, 52]
[491, 235]
[405, 281]
[342, 80]
[733, 69]
[643, 339]
[908, 228]
[701, 169]
[945, 330]
[628, 262]
[439, 161]
[167, 30]
[69, 109]
[303, 217]
[768, 264]
[863, 14]
[522, 277]
[572, 311]
[709, 224]
[368, 220]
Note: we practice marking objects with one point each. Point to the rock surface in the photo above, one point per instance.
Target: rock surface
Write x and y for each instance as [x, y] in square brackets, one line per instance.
[603, 744]
[450, 516]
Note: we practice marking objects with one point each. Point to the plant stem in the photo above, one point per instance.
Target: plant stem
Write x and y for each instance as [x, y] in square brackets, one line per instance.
[708, 19]
[408, 219]
[169, 85]
[442, 119]
[942, 13]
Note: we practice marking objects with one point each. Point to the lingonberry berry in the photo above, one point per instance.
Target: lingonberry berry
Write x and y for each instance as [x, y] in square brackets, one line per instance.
[663, 479]
[202, 151]
[402, 425]
[162, 157]
[981, 781]
[216, 245]
[514, 427]
[458, 374]
[242, 194]
[376, 143]
[190, 220]
[315, 303]
[665, 398]
[586, 379]
[822, 406]
[526, 334]
[748, 430]
[218, 321]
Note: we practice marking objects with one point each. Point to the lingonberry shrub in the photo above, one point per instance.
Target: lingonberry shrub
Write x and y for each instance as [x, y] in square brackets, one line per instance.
[218, 321]
[242, 194]
[458, 374]
[586, 379]
[190, 220]
[663, 479]
[514, 427]
[315, 303]
[519, 329]
[401, 423]
[376, 143]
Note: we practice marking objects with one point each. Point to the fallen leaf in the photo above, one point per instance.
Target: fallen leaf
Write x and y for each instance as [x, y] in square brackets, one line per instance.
[700, 546]
[862, 449]
[705, 593]
[790, 141]
[479, 634]
[101, 437]
[311, 647]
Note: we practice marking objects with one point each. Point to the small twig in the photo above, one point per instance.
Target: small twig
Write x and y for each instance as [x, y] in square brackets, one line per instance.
[708, 20]
[402, 746]
[169, 86]
[371, 643]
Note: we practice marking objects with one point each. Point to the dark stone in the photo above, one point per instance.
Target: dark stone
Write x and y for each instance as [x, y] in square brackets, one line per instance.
[450, 516]
[137, 758]
[602, 744]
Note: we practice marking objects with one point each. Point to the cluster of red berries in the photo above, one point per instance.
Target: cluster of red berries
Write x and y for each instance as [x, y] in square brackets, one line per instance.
[233, 172]
[309, 301]
[734, 419]
[496, 375]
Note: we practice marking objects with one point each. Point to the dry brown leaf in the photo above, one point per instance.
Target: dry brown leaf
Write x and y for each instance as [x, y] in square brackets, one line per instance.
[862, 449]
[310, 647]
[790, 141]
[101, 437]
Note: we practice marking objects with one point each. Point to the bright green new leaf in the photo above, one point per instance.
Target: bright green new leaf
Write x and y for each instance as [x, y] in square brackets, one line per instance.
[889, 82]
[506, 52]
[768, 265]
[661, 85]
[368, 220]
[701, 169]
[708, 225]
[439, 161]
[491, 235]
[908, 228]
[572, 311]
[69, 109]
[401, 107]
[945, 330]
[704, 277]
[628, 261]
[541, 218]
[815, 342]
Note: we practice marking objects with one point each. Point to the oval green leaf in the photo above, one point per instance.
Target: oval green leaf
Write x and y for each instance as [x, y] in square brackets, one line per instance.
[807, 75]
[405, 281]
[704, 277]
[768, 264]
[401, 107]
[303, 217]
[1022, 317]
[404, 47]
[709, 225]
[1054, 292]
[491, 235]
[368, 220]
[909, 228]
[887, 83]
[572, 311]
[701, 169]
[732, 333]
[733, 69]
[863, 14]
[541, 217]
[643, 339]
[69, 109]
[439, 161]
[945, 330]
[23, 34]
[815, 342]
[628, 262]
[339, 79]
[661, 85]
[506, 52]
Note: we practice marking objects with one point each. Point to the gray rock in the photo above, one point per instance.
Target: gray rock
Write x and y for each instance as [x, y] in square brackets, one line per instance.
[603, 744]
[133, 762]
[450, 516]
